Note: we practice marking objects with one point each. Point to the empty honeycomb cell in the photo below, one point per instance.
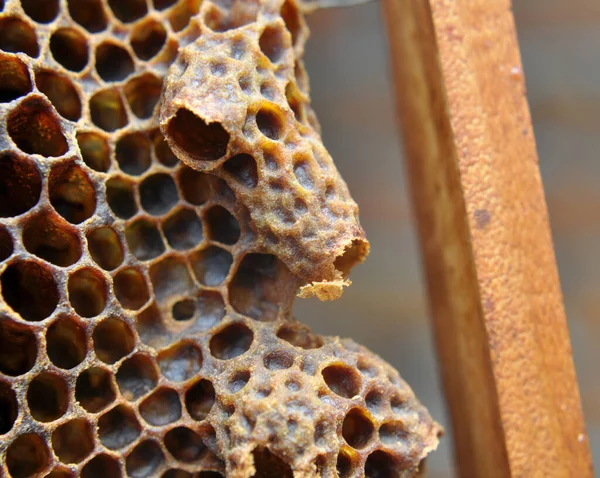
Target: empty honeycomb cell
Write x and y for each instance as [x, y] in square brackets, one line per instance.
[6, 244]
[181, 14]
[345, 466]
[61, 93]
[170, 278]
[242, 168]
[94, 151]
[144, 459]
[133, 153]
[113, 62]
[199, 399]
[299, 336]
[238, 380]
[342, 380]
[20, 185]
[184, 310]
[162, 151]
[35, 128]
[30, 289]
[71, 193]
[255, 290]
[61, 472]
[136, 377]
[73, 441]
[66, 343]
[158, 194]
[142, 94]
[107, 110]
[89, 14]
[128, 10]
[161, 407]
[69, 47]
[41, 11]
[184, 444]
[113, 340]
[397, 403]
[51, 238]
[148, 38]
[183, 229]
[27, 456]
[231, 341]
[391, 433]
[303, 173]
[105, 247]
[357, 429]
[143, 239]
[211, 265]
[18, 348]
[271, 43]
[95, 389]
[269, 91]
[196, 187]
[222, 225]
[278, 360]
[118, 427]
[207, 310]
[9, 408]
[374, 401]
[180, 362]
[269, 123]
[366, 367]
[87, 292]
[381, 464]
[268, 463]
[196, 138]
[102, 466]
[120, 197]
[291, 18]
[14, 78]
[18, 36]
[47, 397]
[131, 289]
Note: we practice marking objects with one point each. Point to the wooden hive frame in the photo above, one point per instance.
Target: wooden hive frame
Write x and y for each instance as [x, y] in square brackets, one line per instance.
[498, 316]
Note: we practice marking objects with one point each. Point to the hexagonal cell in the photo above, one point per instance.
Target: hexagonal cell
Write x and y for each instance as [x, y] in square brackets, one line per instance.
[9, 408]
[113, 62]
[303, 173]
[66, 343]
[381, 464]
[113, 340]
[143, 239]
[30, 289]
[144, 459]
[238, 381]
[374, 401]
[394, 432]
[89, 14]
[268, 463]
[51, 238]
[35, 128]
[181, 361]
[133, 153]
[94, 151]
[231, 341]
[47, 397]
[69, 48]
[184, 310]
[222, 225]
[27, 455]
[105, 247]
[256, 289]
[211, 265]
[71, 193]
[18, 348]
[73, 441]
[270, 123]
[6, 244]
[300, 336]
[184, 444]
[199, 399]
[128, 10]
[95, 390]
[161, 407]
[14, 78]
[102, 466]
[136, 377]
[87, 292]
[41, 11]
[202, 141]
[345, 464]
[342, 380]
[183, 229]
[17, 36]
[278, 360]
[20, 185]
[180, 15]
[170, 277]
[148, 38]
[158, 194]
[118, 427]
[357, 429]
[242, 168]
[61, 93]
[162, 150]
[107, 110]
[120, 197]
[142, 94]
[196, 187]
[131, 288]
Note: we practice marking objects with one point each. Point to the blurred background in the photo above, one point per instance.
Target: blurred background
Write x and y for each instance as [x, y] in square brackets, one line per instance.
[386, 309]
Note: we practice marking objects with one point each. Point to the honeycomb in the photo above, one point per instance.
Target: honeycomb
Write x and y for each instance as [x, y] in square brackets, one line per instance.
[164, 196]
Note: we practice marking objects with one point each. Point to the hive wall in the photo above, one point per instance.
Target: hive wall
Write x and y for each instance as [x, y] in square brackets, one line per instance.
[145, 324]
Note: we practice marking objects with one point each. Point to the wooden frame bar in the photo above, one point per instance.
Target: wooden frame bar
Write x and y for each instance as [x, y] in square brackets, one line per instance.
[498, 316]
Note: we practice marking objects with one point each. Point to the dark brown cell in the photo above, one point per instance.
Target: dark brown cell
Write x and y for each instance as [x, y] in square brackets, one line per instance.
[27, 456]
[95, 389]
[118, 427]
[9, 408]
[222, 225]
[18, 36]
[231, 341]
[18, 348]
[133, 153]
[47, 397]
[136, 377]
[105, 247]
[199, 399]
[342, 379]
[148, 38]
[72, 193]
[89, 14]
[144, 459]
[242, 168]
[61, 93]
[121, 197]
[73, 441]
[128, 10]
[94, 150]
[87, 292]
[113, 340]
[20, 185]
[51, 238]
[41, 11]
[357, 429]
[66, 343]
[69, 48]
[131, 288]
[14, 78]
[143, 93]
[143, 239]
[113, 62]
[102, 466]
[107, 110]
